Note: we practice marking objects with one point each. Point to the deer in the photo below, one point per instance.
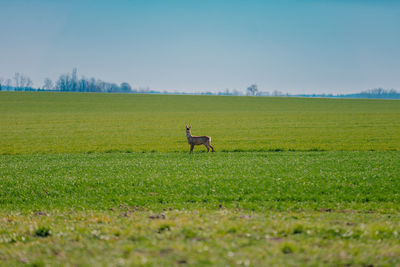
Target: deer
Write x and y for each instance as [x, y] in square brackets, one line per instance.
[198, 140]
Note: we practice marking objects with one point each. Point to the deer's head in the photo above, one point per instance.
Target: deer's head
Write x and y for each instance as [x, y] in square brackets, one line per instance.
[188, 128]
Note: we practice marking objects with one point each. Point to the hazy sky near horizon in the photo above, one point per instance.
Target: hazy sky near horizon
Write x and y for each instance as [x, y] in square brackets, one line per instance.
[308, 46]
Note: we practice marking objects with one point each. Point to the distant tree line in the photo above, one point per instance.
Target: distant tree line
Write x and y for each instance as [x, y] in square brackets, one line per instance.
[376, 93]
[19, 82]
[70, 82]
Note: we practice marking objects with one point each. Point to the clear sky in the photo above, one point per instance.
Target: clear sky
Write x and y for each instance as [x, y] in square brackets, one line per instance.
[303, 46]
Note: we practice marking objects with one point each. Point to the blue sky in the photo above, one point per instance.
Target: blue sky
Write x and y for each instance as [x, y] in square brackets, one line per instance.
[304, 46]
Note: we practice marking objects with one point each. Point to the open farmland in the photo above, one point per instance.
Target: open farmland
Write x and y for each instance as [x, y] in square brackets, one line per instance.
[106, 179]
[81, 123]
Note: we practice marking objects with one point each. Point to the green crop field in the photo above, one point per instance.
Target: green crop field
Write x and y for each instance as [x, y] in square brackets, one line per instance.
[107, 180]
[80, 123]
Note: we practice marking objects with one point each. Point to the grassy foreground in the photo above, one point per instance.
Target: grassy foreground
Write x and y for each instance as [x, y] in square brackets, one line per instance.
[80, 123]
[127, 236]
[165, 209]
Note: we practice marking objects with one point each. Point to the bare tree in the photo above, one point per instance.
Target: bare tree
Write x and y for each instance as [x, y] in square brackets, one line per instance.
[252, 90]
[28, 83]
[17, 80]
[83, 84]
[74, 80]
[48, 84]
[62, 83]
[22, 82]
[8, 84]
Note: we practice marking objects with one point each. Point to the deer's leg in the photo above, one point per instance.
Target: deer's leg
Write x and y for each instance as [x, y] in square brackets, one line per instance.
[191, 148]
[211, 147]
[207, 146]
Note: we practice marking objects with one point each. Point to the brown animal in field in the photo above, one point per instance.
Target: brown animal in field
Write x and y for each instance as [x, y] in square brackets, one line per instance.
[198, 140]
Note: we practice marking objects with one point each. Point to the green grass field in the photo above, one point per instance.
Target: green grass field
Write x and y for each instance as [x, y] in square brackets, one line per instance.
[107, 180]
[81, 123]
[252, 181]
